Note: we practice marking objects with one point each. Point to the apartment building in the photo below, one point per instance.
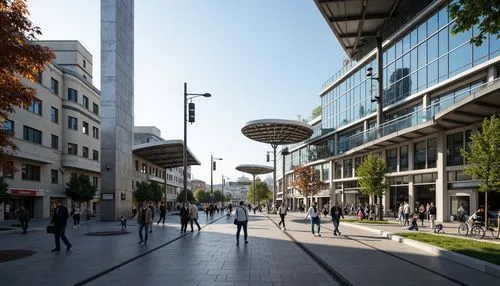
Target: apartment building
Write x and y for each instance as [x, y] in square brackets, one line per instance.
[57, 136]
[413, 93]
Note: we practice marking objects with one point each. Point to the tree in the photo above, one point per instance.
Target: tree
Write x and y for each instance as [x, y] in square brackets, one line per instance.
[371, 175]
[316, 112]
[80, 189]
[155, 192]
[481, 14]
[3, 190]
[200, 196]
[182, 196]
[141, 193]
[217, 196]
[483, 159]
[21, 58]
[307, 182]
[261, 191]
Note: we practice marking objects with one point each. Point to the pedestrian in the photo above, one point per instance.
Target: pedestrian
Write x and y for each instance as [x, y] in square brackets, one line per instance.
[59, 220]
[163, 213]
[123, 222]
[152, 208]
[406, 212]
[242, 221]
[313, 214]
[144, 220]
[432, 215]
[184, 214]
[414, 220]
[193, 216]
[421, 214]
[282, 212]
[75, 213]
[336, 213]
[400, 213]
[24, 217]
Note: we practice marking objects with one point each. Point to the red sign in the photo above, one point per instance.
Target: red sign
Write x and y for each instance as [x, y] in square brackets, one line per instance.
[20, 192]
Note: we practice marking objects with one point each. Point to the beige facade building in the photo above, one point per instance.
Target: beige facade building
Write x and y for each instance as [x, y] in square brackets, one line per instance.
[58, 136]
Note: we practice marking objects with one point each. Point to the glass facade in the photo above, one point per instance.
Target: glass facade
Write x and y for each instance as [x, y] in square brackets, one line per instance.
[425, 55]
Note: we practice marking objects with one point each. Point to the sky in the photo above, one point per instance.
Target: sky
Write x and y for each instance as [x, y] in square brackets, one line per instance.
[261, 59]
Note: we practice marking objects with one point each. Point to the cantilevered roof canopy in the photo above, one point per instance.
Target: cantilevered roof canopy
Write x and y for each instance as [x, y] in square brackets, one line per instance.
[277, 131]
[166, 154]
[355, 21]
[254, 169]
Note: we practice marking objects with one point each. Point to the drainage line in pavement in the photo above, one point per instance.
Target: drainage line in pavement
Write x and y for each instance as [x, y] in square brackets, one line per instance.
[332, 272]
[405, 260]
[104, 272]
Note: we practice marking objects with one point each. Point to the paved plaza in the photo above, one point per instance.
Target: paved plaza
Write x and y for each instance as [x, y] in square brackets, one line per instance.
[211, 257]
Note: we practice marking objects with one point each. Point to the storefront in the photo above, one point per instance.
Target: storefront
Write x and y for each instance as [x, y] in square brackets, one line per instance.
[397, 196]
[424, 194]
[20, 197]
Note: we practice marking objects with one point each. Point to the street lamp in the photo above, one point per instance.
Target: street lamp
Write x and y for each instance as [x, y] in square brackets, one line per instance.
[284, 152]
[191, 119]
[212, 169]
[223, 182]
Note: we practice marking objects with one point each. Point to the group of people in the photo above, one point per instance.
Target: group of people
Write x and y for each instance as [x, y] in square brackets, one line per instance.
[425, 211]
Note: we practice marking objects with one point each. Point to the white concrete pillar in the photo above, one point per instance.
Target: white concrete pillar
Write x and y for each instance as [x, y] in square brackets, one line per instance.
[46, 206]
[411, 196]
[442, 197]
[492, 73]
[411, 156]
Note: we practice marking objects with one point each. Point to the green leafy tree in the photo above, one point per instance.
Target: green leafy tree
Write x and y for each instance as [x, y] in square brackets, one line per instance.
[306, 181]
[483, 15]
[141, 193]
[200, 196]
[218, 197]
[371, 175]
[483, 159]
[227, 197]
[316, 112]
[80, 189]
[155, 192]
[182, 196]
[261, 191]
[3, 190]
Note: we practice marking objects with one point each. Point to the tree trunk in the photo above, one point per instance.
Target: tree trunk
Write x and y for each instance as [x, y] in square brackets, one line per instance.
[486, 210]
[380, 213]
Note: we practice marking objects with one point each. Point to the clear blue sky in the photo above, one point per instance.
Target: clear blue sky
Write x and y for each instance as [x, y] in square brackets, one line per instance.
[259, 59]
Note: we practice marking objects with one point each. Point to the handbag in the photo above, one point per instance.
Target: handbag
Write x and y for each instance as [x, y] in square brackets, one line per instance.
[50, 229]
[236, 222]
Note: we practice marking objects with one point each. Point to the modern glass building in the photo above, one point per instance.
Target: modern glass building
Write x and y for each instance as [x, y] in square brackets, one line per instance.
[413, 93]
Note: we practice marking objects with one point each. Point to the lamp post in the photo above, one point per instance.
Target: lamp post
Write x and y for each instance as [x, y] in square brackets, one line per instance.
[223, 182]
[284, 152]
[191, 119]
[212, 168]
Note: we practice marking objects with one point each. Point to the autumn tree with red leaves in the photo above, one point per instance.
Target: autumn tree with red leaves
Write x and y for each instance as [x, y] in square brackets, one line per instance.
[20, 58]
[306, 181]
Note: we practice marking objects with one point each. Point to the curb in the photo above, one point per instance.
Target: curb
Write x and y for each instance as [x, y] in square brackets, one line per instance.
[18, 231]
[468, 261]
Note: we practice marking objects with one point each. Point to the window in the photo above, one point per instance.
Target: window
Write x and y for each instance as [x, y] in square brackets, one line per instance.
[32, 135]
[72, 123]
[95, 109]
[54, 86]
[84, 64]
[137, 165]
[392, 159]
[72, 148]
[72, 95]
[403, 158]
[95, 155]
[338, 170]
[431, 153]
[30, 172]
[95, 181]
[85, 128]
[95, 132]
[8, 169]
[7, 126]
[357, 162]
[420, 156]
[144, 168]
[54, 176]
[54, 141]
[54, 114]
[85, 101]
[347, 168]
[454, 143]
[36, 107]
[85, 152]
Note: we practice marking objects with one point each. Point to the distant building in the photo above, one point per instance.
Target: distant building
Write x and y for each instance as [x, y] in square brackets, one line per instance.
[198, 185]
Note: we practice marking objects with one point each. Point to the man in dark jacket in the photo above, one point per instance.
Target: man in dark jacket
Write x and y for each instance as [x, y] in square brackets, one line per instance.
[163, 213]
[336, 213]
[59, 220]
[24, 217]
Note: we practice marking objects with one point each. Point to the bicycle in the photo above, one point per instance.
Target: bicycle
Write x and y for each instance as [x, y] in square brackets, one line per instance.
[476, 230]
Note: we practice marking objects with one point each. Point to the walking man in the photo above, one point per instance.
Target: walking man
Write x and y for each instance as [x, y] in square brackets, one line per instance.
[406, 211]
[282, 213]
[432, 216]
[242, 221]
[184, 214]
[144, 219]
[163, 213]
[24, 217]
[336, 213]
[193, 216]
[152, 208]
[59, 221]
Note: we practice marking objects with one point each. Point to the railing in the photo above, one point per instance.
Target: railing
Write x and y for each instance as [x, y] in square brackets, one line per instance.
[339, 73]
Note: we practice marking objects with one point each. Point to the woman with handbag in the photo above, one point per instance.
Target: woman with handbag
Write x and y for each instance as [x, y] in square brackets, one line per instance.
[241, 220]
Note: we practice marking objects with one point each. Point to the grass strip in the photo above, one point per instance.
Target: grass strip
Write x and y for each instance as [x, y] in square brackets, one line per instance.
[481, 250]
[366, 221]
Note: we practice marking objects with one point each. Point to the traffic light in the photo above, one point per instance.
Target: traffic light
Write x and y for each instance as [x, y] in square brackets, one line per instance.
[191, 112]
[267, 157]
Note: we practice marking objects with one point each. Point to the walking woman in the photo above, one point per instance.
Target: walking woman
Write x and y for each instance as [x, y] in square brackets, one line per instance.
[313, 214]
[282, 212]
[241, 220]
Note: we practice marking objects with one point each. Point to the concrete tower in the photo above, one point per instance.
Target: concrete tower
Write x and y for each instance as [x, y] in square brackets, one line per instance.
[117, 107]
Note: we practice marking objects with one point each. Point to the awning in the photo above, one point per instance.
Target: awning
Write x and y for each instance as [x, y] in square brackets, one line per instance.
[166, 154]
